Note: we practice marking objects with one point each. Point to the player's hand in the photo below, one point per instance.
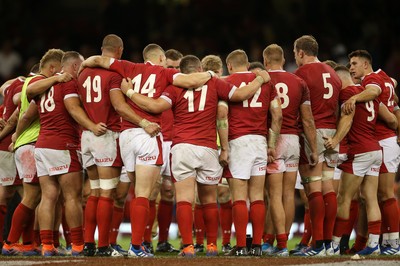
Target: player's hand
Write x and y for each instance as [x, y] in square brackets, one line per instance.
[330, 143]
[2, 123]
[99, 129]
[14, 137]
[126, 85]
[271, 155]
[224, 158]
[64, 77]
[349, 106]
[11, 147]
[264, 74]
[314, 158]
[152, 129]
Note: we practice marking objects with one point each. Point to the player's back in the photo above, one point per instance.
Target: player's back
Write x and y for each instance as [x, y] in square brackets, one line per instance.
[381, 79]
[361, 137]
[149, 80]
[293, 92]
[95, 85]
[195, 112]
[324, 86]
[58, 129]
[249, 116]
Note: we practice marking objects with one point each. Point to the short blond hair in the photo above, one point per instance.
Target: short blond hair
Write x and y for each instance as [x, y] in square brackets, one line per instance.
[273, 53]
[52, 55]
[211, 62]
[237, 58]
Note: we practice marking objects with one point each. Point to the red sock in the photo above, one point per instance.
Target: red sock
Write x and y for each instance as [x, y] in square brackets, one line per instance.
[47, 237]
[240, 216]
[56, 238]
[360, 242]
[199, 226]
[3, 211]
[184, 217]
[66, 229]
[281, 240]
[353, 217]
[21, 219]
[139, 217]
[104, 215]
[307, 228]
[36, 235]
[90, 218]
[150, 222]
[269, 238]
[225, 219]
[210, 215]
[374, 227]
[77, 236]
[390, 216]
[257, 218]
[330, 214]
[340, 226]
[118, 216]
[164, 218]
[317, 212]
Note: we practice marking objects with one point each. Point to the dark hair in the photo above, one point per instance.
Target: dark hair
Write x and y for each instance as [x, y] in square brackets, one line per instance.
[256, 64]
[173, 54]
[189, 64]
[361, 53]
[308, 44]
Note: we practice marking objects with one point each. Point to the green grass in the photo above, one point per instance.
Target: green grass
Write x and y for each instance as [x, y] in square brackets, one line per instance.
[125, 241]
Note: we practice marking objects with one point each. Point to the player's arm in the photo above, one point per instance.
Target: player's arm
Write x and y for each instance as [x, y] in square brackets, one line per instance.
[222, 127]
[74, 108]
[126, 112]
[40, 86]
[245, 92]
[10, 124]
[310, 132]
[345, 122]
[397, 114]
[276, 123]
[96, 61]
[147, 104]
[6, 84]
[369, 94]
[192, 80]
[26, 119]
[388, 117]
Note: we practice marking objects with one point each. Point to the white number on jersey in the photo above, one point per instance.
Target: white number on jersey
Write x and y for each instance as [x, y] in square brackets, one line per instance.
[93, 87]
[148, 86]
[189, 96]
[391, 95]
[282, 90]
[254, 100]
[370, 108]
[327, 85]
[47, 101]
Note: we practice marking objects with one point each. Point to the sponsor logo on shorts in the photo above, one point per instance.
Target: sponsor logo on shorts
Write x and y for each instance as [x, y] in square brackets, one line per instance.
[58, 168]
[7, 179]
[292, 165]
[375, 169]
[104, 160]
[147, 158]
[209, 178]
[262, 168]
[29, 176]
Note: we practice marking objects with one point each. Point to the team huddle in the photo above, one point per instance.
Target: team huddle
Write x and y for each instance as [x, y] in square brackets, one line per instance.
[226, 150]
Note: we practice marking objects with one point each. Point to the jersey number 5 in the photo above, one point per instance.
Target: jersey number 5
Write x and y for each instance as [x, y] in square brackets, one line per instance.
[327, 85]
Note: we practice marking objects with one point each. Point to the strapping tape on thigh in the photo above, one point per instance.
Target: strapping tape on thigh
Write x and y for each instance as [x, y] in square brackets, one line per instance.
[310, 179]
[326, 175]
[109, 183]
[94, 184]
